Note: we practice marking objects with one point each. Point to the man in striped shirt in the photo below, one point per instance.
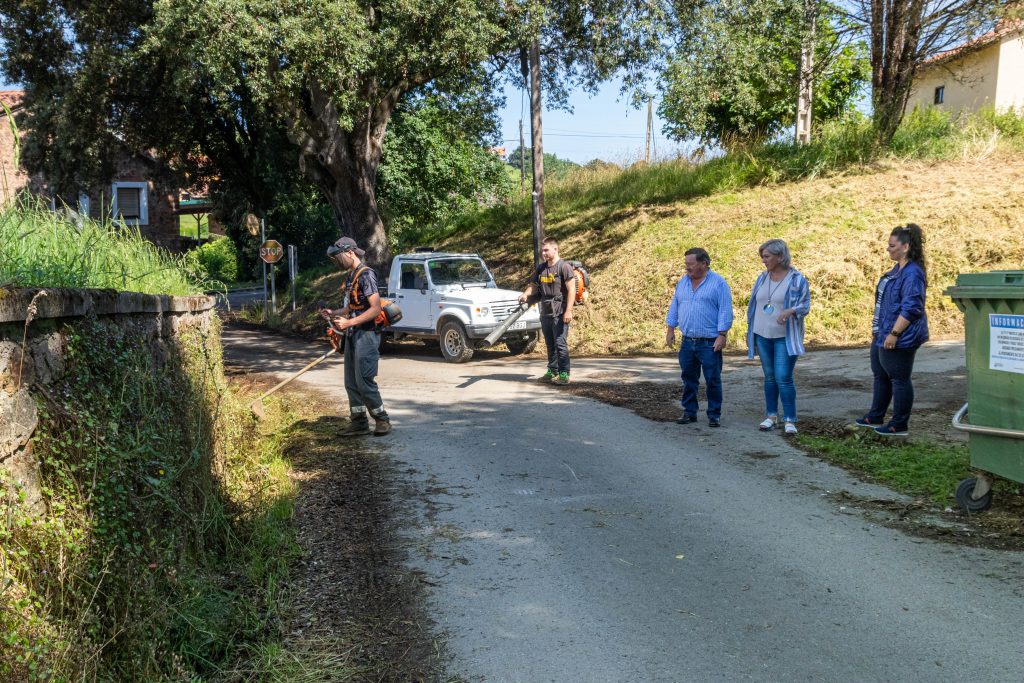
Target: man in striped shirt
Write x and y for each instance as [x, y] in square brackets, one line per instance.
[702, 310]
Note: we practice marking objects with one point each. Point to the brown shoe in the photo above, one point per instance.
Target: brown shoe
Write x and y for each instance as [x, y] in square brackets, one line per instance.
[356, 429]
[383, 427]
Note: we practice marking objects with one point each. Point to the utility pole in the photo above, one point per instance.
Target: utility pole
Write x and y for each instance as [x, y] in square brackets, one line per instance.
[537, 136]
[522, 159]
[263, 239]
[650, 125]
[805, 96]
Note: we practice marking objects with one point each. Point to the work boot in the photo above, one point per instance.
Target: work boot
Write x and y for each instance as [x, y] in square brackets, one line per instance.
[357, 428]
[382, 427]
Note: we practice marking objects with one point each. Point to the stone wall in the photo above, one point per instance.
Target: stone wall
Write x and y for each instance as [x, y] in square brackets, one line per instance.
[33, 326]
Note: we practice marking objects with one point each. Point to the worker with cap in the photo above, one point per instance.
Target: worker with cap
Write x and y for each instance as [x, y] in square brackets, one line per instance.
[357, 320]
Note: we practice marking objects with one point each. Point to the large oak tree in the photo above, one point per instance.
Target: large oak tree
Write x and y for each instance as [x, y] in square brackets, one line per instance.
[218, 82]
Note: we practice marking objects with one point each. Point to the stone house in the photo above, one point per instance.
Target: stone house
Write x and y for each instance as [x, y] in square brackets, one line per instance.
[138, 194]
[987, 71]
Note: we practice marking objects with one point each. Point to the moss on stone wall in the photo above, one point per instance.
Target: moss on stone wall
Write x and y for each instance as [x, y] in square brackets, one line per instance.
[161, 524]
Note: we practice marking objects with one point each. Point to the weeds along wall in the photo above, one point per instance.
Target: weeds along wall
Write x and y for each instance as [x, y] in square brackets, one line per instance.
[116, 432]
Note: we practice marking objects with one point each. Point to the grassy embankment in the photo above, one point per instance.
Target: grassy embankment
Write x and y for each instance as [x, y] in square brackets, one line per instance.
[165, 539]
[834, 202]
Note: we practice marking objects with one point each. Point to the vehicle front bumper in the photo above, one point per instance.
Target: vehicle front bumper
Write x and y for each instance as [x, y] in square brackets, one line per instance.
[483, 329]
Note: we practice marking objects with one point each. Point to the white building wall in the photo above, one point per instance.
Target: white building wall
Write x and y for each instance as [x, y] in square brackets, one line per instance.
[969, 83]
[1010, 83]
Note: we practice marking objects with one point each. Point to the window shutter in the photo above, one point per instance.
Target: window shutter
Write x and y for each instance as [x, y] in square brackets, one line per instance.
[128, 203]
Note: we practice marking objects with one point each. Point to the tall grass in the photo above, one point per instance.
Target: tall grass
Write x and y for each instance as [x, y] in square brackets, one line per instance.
[43, 248]
[833, 202]
[839, 146]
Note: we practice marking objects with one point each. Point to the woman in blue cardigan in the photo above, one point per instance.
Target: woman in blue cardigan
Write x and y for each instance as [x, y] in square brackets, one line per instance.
[898, 329]
[780, 300]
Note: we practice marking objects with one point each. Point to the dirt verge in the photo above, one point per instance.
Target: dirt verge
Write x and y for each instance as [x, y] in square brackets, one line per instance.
[1001, 527]
[352, 586]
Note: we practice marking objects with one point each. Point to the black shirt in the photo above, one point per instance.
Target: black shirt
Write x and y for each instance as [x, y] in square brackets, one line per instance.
[553, 282]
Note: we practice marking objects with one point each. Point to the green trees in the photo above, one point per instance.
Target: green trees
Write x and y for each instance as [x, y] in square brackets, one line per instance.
[435, 168]
[243, 84]
[902, 34]
[732, 77]
[553, 166]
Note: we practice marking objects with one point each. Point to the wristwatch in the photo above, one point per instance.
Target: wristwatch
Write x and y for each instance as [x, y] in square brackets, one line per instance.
[895, 333]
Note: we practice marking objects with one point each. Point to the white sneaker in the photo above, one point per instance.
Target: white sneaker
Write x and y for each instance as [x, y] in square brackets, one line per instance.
[767, 425]
[790, 427]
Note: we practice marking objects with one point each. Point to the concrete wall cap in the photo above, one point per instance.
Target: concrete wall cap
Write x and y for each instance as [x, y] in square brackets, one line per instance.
[75, 303]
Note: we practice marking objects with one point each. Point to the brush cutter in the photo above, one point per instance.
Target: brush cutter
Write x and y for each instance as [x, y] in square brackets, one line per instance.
[337, 338]
[508, 322]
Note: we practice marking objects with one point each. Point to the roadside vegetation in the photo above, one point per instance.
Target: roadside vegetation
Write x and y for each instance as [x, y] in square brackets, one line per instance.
[165, 541]
[41, 248]
[834, 201]
[917, 468]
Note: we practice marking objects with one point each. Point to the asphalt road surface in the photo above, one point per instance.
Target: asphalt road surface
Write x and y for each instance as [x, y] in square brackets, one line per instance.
[568, 540]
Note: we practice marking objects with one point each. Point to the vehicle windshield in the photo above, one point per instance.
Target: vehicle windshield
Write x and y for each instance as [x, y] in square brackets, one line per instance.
[458, 272]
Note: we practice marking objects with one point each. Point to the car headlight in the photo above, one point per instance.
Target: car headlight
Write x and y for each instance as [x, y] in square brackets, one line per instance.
[483, 311]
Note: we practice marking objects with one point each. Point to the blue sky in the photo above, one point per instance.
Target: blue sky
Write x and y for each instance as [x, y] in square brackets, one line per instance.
[604, 127]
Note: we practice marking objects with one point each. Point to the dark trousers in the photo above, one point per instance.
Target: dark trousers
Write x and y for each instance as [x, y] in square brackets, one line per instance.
[696, 355]
[892, 368]
[556, 338]
[362, 352]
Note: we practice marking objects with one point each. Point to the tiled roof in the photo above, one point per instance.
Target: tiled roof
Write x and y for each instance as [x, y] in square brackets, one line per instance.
[11, 99]
[994, 36]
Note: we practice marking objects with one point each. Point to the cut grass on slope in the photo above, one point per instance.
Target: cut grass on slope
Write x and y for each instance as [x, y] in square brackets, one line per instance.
[964, 186]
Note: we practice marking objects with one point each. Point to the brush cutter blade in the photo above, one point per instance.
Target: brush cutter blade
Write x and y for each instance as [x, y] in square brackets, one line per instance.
[257, 409]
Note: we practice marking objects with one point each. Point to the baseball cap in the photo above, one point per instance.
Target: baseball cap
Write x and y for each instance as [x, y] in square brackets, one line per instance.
[344, 244]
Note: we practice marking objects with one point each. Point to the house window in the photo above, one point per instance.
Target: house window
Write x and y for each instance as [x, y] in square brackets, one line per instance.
[940, 94]
[130, 203]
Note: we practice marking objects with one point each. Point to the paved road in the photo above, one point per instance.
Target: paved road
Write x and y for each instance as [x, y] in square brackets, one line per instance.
[567, 540]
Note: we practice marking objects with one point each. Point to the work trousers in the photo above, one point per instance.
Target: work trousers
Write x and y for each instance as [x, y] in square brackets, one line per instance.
[696, 355]
[556, 338]
[362, 352]
[892, 369]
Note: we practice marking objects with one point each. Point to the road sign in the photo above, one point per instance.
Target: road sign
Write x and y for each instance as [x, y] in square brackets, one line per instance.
[271, 251]
[252, 224]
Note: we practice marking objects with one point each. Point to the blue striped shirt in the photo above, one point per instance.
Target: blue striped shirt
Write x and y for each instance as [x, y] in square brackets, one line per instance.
[702, 313]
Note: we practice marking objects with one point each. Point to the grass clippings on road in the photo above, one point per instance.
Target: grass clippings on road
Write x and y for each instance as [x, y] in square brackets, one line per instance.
[927, 470]
[351, 594]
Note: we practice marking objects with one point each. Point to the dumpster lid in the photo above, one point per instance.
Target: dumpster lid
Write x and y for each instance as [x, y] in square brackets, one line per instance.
[996, 284]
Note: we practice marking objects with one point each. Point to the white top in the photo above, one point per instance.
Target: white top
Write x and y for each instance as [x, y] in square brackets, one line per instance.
[774, 294]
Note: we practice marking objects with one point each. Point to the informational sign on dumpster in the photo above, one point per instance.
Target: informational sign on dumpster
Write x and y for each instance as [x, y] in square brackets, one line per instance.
[1006, 345]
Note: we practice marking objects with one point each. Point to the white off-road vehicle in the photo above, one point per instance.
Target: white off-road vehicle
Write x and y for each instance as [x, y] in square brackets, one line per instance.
[452, 298]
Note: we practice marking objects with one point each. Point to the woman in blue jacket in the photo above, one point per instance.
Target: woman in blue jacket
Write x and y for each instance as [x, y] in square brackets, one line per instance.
[898, 328]
[778, 304]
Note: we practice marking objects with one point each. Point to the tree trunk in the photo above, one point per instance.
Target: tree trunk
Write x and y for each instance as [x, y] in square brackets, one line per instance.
[895, 33]
[343, 164]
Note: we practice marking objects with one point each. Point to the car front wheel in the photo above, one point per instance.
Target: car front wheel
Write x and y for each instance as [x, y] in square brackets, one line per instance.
[454, 343]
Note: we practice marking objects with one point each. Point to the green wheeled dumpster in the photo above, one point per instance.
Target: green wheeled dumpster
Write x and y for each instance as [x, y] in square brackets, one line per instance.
[993, 307]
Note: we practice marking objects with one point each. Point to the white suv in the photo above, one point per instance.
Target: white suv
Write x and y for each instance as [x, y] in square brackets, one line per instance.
[453, 298]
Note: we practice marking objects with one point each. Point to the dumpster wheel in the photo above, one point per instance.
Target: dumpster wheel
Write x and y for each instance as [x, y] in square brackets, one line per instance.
[965, 496]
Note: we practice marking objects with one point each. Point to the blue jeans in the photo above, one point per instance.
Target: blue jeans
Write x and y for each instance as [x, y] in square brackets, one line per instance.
[892, 368]
[778, 366]
[696, 355]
